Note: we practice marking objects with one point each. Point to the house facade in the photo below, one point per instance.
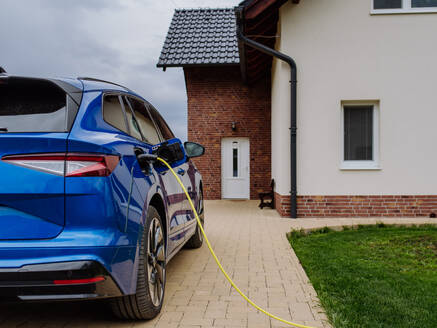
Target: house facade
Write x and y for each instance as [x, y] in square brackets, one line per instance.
[229, 117]
[366, 107]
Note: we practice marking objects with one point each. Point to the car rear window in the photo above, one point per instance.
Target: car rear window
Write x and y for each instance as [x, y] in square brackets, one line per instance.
[31, 105]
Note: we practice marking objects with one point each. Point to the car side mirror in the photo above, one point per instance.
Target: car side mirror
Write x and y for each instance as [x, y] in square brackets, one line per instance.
[193, 149]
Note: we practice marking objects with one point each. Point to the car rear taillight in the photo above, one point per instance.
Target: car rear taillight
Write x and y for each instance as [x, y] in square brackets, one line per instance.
[78, 165]
[69, 165]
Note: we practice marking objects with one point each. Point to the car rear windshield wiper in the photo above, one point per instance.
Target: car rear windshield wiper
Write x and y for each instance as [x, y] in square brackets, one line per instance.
[3, 129]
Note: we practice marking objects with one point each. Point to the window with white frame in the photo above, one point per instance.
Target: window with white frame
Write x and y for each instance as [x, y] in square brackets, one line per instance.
[403, 6]
[360, 126]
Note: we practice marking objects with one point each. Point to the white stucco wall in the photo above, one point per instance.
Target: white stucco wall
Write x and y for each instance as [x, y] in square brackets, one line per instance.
[344, 53]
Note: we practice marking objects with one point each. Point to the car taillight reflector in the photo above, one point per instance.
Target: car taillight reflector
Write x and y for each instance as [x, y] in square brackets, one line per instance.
[78, 281]
[69, 165]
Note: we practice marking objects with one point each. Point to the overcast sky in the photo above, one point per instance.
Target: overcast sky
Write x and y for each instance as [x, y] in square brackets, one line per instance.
[115, 40]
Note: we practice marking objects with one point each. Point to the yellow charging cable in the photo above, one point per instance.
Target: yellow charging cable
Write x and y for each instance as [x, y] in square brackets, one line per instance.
[217, 260]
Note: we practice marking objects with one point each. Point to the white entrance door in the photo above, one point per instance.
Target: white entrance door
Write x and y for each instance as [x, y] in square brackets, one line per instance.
[235, 168]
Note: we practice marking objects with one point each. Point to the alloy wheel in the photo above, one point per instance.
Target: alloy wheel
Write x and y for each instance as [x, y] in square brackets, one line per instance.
[156, 261]
[200, 202]
[199, 231]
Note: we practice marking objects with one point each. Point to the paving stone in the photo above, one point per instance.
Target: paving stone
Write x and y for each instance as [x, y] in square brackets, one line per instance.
[217, 305]
[188, 320]
[231, 322]
[252, 244]
[215, 313]
[301, 311]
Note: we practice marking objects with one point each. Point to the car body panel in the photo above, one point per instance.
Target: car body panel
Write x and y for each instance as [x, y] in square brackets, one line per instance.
[98, 219]
[174, 197]
[191, 180]
[30, 210]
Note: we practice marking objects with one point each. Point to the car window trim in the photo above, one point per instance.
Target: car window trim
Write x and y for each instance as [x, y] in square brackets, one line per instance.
[143, 139]
[145, 103]
[150, 108]
[124, 114]
[133, 113]
[122, 108]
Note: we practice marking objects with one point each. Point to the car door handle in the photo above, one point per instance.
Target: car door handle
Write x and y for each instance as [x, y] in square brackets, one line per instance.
[181, 172]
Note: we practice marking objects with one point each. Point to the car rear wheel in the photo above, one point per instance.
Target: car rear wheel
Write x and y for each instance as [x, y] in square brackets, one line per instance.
[196, 240]
[147, 302]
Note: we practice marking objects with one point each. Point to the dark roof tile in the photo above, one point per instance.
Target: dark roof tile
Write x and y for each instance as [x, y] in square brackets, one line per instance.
[201, 36]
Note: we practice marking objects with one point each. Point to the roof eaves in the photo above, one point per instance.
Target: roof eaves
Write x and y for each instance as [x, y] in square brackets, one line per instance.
[197, 65]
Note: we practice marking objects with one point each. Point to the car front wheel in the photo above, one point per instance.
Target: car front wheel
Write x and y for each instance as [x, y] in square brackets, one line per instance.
[196, 240]
[146, 303]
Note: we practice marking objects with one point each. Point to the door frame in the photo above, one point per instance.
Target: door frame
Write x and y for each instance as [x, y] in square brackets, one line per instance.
[222, 166]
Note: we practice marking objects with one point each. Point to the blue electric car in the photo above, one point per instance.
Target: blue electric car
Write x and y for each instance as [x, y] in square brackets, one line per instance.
[85, 210]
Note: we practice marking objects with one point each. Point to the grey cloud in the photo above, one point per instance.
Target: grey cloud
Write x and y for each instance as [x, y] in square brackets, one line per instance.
[115, 40]
[67, 6]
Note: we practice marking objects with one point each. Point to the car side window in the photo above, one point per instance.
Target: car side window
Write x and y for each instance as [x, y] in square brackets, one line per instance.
[166, 133]
[132, 122]
[113, 113]
[145, 123]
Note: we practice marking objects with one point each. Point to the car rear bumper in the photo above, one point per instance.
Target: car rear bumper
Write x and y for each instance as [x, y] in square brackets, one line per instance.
[57, 281]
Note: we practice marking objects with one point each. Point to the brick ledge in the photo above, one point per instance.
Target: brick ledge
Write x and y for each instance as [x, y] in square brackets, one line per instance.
[359, 205]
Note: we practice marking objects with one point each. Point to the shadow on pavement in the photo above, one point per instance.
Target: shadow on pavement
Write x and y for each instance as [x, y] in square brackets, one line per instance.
[71, 314]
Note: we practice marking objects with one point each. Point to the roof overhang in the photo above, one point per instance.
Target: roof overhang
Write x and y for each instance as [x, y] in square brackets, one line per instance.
[258, 19]
[196, 65]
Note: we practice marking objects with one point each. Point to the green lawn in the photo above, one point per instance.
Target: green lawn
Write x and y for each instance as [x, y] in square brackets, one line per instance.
[373, 276]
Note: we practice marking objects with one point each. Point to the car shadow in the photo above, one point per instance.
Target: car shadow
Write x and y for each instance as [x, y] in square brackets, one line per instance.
[57, 314]
[72, 314]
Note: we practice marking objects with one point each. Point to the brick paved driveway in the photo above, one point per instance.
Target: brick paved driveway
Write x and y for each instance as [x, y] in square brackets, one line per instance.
[252, 246]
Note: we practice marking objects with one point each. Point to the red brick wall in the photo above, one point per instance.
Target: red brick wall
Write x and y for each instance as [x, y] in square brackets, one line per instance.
[282, 204]
[216, 98]
[359, 206]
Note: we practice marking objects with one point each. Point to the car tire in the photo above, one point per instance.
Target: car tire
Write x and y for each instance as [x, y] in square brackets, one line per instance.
[196, 240]
[146, 303]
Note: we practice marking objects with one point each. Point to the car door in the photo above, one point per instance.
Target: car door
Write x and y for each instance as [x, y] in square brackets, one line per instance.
[132, 185]
[184, 169]
[170, 187]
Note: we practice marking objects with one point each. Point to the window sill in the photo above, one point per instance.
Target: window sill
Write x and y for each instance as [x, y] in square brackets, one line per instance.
[360, 166]
[403, 11]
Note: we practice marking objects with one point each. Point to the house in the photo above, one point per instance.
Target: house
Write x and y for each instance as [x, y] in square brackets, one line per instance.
[365, 105]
